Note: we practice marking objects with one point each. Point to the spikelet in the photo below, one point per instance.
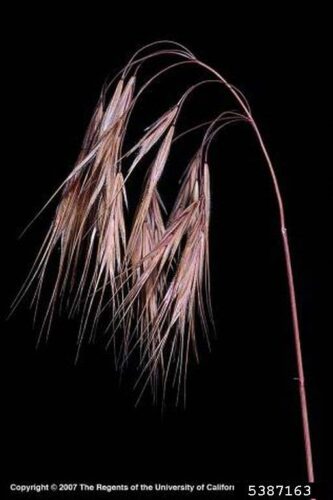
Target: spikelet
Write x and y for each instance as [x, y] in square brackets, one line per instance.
[182, 255]
[86, 219]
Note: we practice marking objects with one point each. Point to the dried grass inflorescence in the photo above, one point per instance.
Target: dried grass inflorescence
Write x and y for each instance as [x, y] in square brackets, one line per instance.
[148, 276]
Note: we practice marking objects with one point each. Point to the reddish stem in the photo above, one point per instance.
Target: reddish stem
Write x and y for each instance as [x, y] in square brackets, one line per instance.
[291, 286]
[294, 314]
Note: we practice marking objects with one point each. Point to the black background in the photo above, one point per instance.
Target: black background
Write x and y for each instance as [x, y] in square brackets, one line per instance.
[242, 420]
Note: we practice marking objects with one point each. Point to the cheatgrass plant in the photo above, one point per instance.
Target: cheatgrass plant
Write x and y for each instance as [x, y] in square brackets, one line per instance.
[149, 278]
